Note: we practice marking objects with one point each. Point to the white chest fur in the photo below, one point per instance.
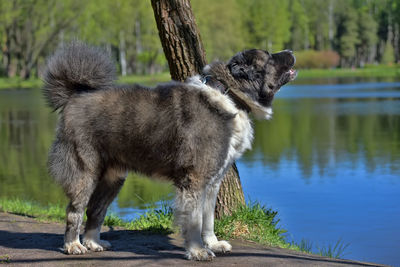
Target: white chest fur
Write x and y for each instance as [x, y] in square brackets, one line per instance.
[242, 130]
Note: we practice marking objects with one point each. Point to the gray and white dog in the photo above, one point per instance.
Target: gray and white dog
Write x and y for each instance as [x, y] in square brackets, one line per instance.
[188, 133]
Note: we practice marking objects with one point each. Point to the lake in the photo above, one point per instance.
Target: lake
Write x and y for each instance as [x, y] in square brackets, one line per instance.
[328, 162]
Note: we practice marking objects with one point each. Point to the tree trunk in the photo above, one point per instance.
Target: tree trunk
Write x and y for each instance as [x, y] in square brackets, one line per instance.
[230, 194]
[185, 54]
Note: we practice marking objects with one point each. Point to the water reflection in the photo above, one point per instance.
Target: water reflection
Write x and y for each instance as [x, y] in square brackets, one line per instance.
[26, 132]
[317, 133]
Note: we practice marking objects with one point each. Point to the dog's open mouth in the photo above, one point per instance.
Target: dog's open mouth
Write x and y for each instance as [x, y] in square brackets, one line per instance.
[292, 74]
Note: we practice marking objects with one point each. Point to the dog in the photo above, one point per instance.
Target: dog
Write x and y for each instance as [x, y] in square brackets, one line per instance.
[187, 132]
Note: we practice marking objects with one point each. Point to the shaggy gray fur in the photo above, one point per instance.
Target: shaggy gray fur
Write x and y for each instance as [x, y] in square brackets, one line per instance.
[73, 68]
[188, 133]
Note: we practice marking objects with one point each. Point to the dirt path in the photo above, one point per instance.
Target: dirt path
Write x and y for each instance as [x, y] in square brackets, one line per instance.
[24, 241]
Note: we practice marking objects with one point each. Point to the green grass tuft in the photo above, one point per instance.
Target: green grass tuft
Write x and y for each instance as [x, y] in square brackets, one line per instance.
[156, 221]
[304, 246]
[52, 212]
[252, 222]
[5, 258]
[336, 251]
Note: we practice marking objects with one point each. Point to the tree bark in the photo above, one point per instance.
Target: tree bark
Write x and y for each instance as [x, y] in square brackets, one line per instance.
[230, 194]
[185, 54]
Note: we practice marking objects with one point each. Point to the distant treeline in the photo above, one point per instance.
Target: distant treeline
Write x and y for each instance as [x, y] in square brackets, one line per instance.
[325, 33]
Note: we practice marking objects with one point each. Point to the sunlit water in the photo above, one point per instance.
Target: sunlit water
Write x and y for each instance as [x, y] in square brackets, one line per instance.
[328, 162]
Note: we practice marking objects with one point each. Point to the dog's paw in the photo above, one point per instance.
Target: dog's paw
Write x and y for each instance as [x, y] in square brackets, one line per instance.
[96, 245]
[200, 254]
[74, 248]
[220, 246]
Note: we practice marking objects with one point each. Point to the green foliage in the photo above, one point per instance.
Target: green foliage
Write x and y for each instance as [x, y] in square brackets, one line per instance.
[388, 55]
[348, 38]
[367, 28]
[300, 28]
[221, 32]
[310, 59]
[267, 23]
[318, 13]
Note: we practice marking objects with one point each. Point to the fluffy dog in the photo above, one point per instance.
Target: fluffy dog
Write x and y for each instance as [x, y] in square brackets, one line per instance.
[189, 133]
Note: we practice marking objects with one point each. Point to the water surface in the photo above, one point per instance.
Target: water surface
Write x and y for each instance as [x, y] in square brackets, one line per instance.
[328, 162]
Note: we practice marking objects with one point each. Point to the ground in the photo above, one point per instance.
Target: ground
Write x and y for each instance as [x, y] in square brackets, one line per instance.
[25, 241]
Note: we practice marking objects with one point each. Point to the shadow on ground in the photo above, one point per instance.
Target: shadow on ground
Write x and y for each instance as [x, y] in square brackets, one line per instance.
[25, 241]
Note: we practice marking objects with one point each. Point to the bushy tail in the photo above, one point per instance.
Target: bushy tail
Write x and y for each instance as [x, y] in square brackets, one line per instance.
[74, 68]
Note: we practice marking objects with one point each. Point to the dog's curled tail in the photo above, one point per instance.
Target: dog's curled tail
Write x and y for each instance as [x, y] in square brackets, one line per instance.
[75, 68]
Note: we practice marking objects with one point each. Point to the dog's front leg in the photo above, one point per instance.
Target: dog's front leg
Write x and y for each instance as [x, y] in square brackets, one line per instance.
[208, 235]
[188, 214]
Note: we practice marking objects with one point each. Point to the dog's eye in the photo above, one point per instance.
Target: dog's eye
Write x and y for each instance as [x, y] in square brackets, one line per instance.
[271, 86]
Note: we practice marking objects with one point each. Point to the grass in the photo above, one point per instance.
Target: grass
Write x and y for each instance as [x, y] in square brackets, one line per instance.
[156, 221]
[252, 222]
[18, 83]
[52, 212]
[5, 258]
[336, 251]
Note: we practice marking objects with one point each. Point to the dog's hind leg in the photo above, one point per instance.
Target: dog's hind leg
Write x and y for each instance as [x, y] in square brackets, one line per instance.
[106, 190]
[188, 215]
[78, 179]
[79, 194]
[207, 233]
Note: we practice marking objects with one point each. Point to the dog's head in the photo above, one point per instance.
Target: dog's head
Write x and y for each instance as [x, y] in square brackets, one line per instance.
[260, 74]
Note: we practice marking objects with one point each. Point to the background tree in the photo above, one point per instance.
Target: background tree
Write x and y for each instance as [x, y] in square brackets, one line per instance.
[347, 37]
[226, 27]
[29, 27]
[359, 31]
[367, 28]
[300, 30]
[185, 54]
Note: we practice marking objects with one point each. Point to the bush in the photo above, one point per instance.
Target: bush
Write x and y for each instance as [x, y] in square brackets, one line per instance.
[311, 59]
